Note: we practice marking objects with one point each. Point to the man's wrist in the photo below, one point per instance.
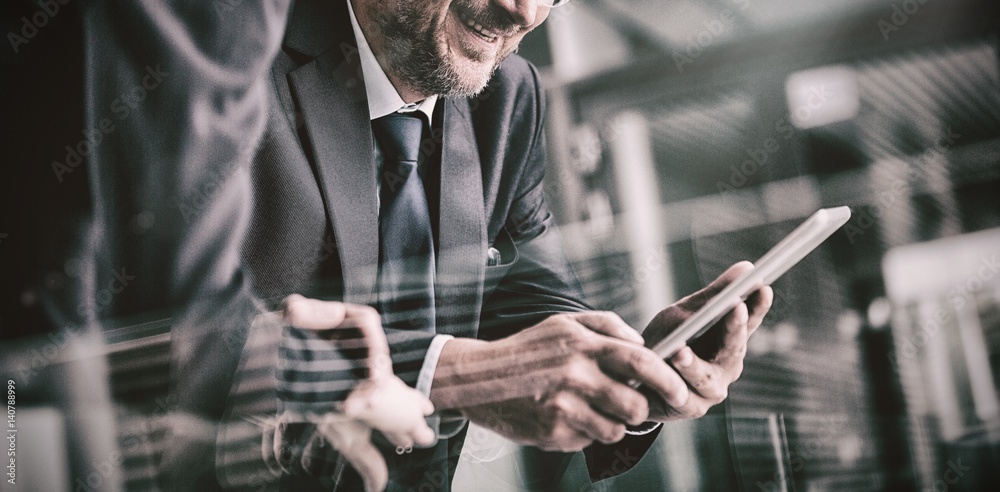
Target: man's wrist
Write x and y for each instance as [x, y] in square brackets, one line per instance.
[425, 380]
[449, 374]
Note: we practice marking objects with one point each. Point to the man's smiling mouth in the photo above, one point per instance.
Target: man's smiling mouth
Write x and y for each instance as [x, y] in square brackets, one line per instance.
[476, 27]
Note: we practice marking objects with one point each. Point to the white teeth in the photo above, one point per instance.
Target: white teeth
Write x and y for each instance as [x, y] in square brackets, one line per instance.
[469, 21]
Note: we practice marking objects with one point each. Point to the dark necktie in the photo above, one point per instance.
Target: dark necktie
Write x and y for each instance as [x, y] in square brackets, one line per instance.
[406, 257]
[312, 373]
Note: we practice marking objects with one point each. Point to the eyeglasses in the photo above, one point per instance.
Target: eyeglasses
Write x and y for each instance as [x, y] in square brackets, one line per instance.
[553, 3]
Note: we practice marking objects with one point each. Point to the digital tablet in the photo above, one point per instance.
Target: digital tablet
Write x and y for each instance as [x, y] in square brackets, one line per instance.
[769, 267]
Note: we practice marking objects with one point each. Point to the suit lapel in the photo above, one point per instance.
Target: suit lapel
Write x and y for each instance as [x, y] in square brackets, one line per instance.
[330, 94]
[461, 258]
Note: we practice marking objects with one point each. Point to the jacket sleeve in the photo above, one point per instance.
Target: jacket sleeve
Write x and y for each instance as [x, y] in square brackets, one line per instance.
[540, 280]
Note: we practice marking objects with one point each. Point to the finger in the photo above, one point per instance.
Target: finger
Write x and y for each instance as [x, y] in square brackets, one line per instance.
[639, 364]
[399, 439]
[704, 378]
[281, 448]
[566, 439]
[352, 439]
[759, 304]
[610, 324]
[388, 405]
[406, 426]
[369, 323]
[427, 407]
[424, 436]
[341, 432]
[734, 337]
[732, 273]
[711, 379]
[311, 314]
[419, 433]
[316, 315]
[369, 463]
[612, 398]
[269, 451]
[316, 458]
[580, 417]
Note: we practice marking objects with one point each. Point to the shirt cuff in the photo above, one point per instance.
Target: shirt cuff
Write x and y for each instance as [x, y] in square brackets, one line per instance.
[642, 429]
[443, 425]
[426, 377]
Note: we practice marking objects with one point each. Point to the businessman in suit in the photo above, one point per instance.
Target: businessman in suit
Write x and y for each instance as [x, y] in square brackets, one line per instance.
[402, 169]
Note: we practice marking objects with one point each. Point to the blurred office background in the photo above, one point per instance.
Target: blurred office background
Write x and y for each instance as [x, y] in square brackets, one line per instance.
[684, 136]
[687, 135]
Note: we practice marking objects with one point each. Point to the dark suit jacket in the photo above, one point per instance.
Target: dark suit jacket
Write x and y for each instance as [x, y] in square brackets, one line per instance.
[314, 228]
[315, 221]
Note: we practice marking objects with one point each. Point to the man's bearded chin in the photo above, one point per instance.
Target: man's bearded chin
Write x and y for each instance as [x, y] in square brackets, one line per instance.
[431, 73]
[447, 82]
[417, 61]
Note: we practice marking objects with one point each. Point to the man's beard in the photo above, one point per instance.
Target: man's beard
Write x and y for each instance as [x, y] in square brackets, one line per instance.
[412, 49]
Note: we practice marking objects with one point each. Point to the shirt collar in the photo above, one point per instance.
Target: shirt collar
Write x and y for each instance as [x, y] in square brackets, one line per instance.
[383, 99]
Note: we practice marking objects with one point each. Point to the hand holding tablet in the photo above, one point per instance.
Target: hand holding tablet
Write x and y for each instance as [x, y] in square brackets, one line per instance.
[769, 268]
